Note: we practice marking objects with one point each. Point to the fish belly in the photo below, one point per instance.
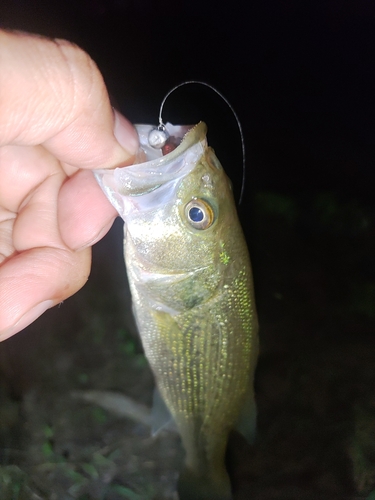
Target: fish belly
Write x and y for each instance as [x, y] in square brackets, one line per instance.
[203, 360]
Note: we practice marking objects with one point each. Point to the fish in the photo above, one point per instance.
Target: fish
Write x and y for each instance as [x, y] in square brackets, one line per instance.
[192, 292]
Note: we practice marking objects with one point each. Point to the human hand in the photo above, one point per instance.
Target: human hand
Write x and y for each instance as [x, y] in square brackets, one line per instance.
[56, 125]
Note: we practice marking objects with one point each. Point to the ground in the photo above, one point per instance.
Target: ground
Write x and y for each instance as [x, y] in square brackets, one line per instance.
[315, 288]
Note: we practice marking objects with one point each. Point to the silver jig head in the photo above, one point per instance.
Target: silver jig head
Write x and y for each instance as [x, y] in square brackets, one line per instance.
[158, 137]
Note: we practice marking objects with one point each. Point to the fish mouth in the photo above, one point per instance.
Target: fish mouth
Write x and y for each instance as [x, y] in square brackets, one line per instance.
[142, 179]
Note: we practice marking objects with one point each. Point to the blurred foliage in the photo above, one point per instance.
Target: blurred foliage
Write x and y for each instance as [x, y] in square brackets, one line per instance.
[363, 299]
[14, 484]
[315, 297]
[362, 449]
[341, 216]
[277, 205]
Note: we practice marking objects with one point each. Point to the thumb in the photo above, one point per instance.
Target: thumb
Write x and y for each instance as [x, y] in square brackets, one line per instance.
[53, 94]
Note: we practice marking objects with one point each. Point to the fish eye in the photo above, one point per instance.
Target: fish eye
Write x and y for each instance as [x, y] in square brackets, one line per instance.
[199, 214]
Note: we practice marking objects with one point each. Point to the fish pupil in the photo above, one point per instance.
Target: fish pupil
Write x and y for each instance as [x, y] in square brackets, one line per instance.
[196, 214]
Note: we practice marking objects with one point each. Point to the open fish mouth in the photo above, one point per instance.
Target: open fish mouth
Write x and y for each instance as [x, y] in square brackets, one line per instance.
[152, 182]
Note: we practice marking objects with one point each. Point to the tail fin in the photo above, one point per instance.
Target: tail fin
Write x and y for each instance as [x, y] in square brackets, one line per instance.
[193, 487]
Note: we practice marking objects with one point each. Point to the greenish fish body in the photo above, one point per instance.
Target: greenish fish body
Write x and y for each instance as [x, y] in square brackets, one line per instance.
[191, 283]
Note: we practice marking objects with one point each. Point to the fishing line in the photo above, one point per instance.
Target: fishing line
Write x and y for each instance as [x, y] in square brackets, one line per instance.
[159, 136]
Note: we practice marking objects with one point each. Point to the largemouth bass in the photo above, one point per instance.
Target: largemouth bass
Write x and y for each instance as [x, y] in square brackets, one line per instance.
[191, 284]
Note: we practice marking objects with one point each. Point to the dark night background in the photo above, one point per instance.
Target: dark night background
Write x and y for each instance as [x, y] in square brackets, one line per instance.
[300, 76]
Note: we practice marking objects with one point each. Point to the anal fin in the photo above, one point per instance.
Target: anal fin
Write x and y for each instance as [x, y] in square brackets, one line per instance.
[161, 418]
[247, 421]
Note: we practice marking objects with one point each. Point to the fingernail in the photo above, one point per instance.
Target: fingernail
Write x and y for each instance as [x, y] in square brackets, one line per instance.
[27, 319]
[125, 133]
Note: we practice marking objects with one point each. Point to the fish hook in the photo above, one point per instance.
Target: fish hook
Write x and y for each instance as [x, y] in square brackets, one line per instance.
[159, 136]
